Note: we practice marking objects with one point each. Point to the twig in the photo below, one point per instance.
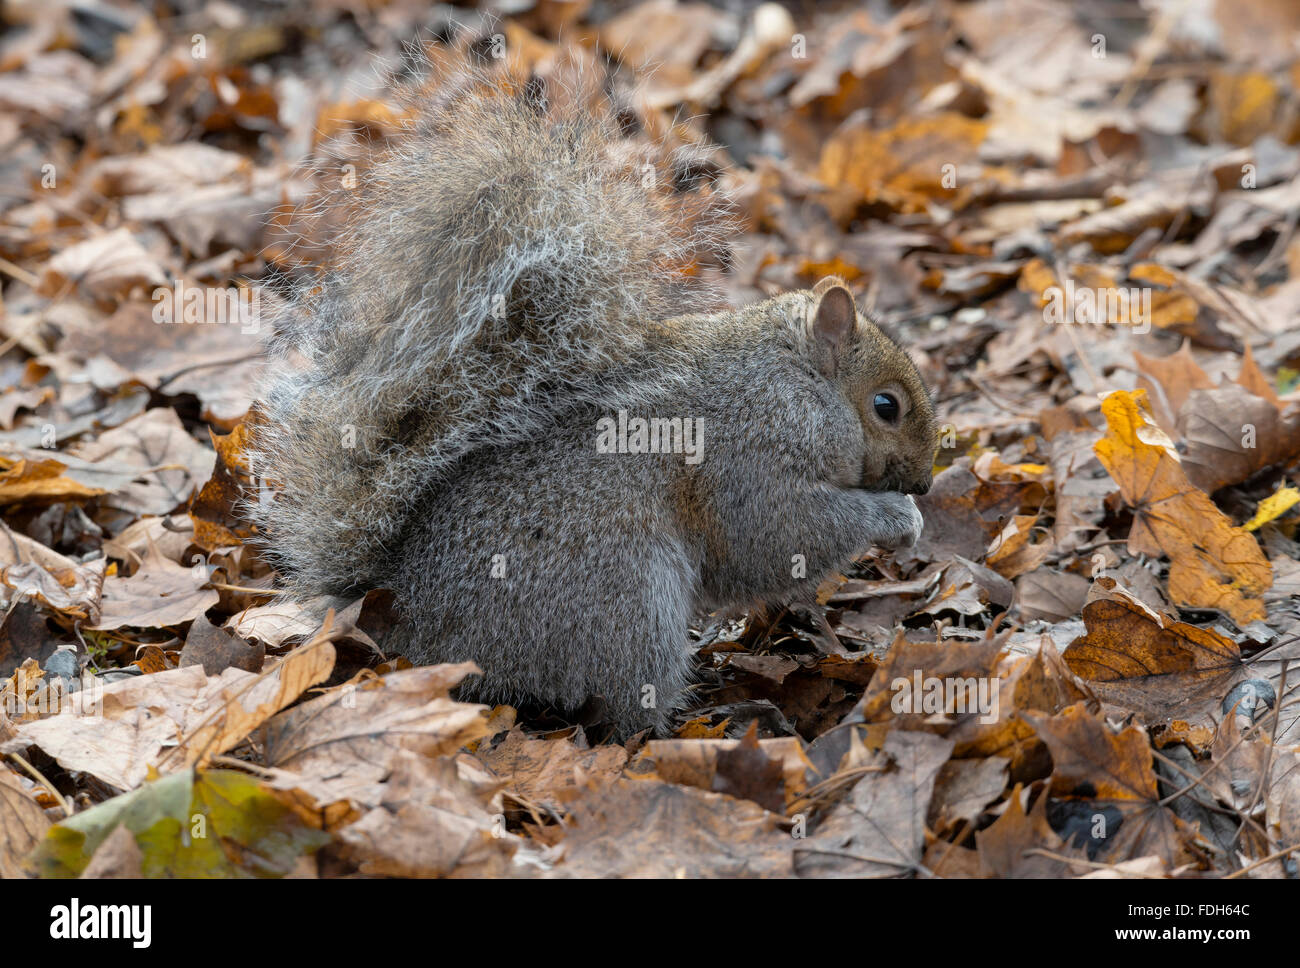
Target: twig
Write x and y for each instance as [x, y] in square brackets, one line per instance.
[1095, 865]
[1272, 743]
[275, 592]
[18, 272]
[40, 778]
[1263, 860]
[201, 366]
[221, 759]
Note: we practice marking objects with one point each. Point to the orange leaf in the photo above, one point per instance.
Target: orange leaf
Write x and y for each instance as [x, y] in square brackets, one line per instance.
[1212, 563]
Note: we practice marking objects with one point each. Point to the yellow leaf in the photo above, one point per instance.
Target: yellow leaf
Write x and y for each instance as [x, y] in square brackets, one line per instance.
[906, 166]
[22, 480]
[1273, 507]
[1211, 563]
[1244, 104]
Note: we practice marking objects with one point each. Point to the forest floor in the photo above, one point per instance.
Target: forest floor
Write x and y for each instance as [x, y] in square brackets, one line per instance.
[1081, 223]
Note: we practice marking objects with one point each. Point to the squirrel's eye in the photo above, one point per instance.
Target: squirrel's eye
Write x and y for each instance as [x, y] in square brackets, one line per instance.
[886, 407]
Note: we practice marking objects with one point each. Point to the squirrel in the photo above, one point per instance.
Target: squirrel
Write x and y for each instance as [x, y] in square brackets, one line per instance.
[513, 402]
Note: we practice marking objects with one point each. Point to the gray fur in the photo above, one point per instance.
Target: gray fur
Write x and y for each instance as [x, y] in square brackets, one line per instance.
[605, 558]
[476, 491]
[492, 201]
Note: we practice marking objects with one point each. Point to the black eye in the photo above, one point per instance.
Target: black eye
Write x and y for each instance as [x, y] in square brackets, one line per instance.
[886, 407]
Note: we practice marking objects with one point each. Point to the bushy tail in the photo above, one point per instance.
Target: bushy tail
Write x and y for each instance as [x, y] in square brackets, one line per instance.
[508, 260]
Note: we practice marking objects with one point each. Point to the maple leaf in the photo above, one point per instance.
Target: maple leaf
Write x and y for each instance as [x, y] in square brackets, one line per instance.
[1147, 661]
[1212, 564]
[1109, 778]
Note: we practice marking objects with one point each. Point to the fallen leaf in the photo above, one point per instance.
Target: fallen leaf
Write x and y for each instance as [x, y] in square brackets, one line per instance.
[342, 744]
[1104, 769]
[1140, 659]
[431, 824]
[1212, 563]
[216, 649]
[1273, 507]
[703, 763]
[636, 828]
[1231, 434]
[160, 593]
[548, 773]
[43, 480]
[168, 464]
[902, 166]
[196, 823]
[218, 520]
[879, 829]
[105, 267]
[22, 824]
[1011, 845]
[1168, 380]
[964, 789]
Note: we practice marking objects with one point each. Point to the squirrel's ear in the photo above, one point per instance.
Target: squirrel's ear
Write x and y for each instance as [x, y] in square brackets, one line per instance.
[834, 323]
[828, 282]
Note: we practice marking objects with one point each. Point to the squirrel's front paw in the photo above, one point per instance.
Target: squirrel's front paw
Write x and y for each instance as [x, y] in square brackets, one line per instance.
[901, 522]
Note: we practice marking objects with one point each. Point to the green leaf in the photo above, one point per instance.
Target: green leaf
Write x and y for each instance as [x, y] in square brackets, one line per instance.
[204, 823]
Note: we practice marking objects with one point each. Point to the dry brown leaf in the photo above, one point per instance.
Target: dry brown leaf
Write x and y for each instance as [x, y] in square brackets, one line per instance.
[1040, 682]
[35, 571]
[160, 593]
[246, 701]
[1152, 205]
[280, 622]
[218, 521]
[550, 772]
[172, 537]
[1252, 378]
[1014, 554]
[121, 739]
[342, 744]
[901, 166]
[24, 635]
[941, 661]
[668, 39]
[1231, 434]
[1211, 563]
[644, 828]
[964, 789]
[1108, 778]
[879, 829]
[1011, 845]
[104, 267]
[1140, 659]
[169, 465]
[695, 762]
[22, 824]
[120, 732]
[432, 823]
[216, 649]
[216, 362]
[39, 480]
[1139, 868]
[963, 514]
[967, 588]
[1168, 380]
[1050, 594]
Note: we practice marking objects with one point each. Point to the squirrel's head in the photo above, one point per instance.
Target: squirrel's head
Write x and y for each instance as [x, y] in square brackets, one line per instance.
[877, 375]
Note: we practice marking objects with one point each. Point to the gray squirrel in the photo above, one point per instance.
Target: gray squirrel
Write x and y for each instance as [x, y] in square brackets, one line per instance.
[562, 452]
